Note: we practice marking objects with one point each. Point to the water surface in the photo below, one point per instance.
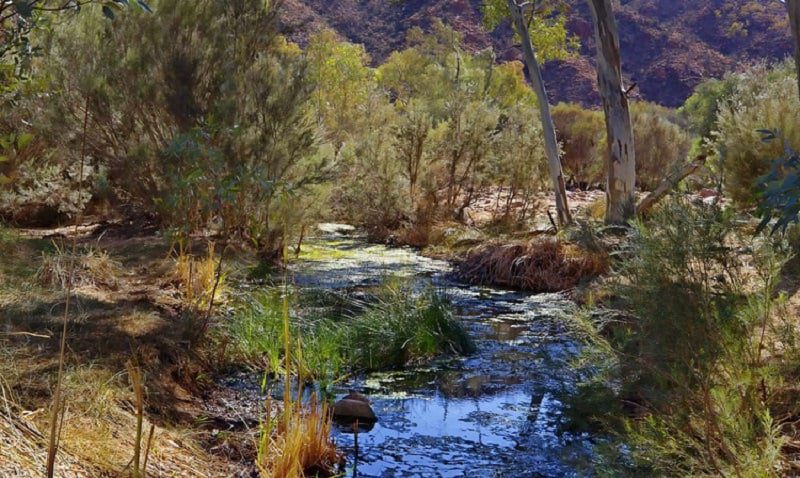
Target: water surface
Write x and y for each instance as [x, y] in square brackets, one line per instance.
[493, 413]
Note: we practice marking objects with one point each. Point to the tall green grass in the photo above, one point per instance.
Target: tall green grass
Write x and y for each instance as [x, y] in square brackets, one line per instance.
[400, 327]
[396, 326]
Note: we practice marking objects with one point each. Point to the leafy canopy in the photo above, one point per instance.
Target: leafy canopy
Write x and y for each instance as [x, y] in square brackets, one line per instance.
[546, 24]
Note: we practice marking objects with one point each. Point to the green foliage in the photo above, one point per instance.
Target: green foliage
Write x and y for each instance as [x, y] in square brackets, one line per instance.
[547, 26]
[20, 20]
[760, 97]
[214, 133]
[439, 126]
[690, 385]
[241, 136]
[582, 135]
[661, 143]
[779, 189]
[398, 328]
[701, 109]
[343, 84]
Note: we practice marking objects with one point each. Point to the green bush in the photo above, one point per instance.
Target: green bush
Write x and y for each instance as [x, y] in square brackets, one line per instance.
[661, 142]
[690, 386]
[761, 97]
[440, 127]
[582, 135]
[209, 134]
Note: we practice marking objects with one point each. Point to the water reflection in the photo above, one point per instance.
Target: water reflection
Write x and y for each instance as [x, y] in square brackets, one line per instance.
[489, 414]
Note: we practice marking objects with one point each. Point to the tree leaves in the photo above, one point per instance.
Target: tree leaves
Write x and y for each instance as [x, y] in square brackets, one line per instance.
[779, 189]
[144, 6]
[108, 12]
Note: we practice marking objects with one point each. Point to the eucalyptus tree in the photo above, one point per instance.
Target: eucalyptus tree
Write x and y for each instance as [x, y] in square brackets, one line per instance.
[621, 162]
[541, 29]
[793, 6]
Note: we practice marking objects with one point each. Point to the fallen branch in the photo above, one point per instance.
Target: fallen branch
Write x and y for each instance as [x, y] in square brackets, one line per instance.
[668, 184]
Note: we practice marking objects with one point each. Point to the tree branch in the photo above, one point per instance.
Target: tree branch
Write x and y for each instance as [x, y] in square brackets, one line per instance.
[668, 184]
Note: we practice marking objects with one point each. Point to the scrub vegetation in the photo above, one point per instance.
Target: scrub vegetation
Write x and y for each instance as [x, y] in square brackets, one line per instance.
[167, 166]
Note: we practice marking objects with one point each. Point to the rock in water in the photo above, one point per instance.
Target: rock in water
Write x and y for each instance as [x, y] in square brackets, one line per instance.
[354, 407]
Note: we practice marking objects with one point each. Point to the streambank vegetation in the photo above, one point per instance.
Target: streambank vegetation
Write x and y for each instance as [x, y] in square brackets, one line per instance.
[163, 166]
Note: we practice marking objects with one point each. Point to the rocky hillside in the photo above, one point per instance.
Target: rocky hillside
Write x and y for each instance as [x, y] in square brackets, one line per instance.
[668, 46]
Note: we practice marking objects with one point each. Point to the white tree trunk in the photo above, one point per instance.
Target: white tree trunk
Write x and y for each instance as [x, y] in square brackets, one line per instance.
[550, 140]
[794, 21]
[621, 166]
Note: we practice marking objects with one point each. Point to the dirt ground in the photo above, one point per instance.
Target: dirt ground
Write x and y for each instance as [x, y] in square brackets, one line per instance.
[126, 311]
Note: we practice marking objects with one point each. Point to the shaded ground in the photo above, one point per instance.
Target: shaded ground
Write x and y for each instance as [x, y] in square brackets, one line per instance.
[125, 308]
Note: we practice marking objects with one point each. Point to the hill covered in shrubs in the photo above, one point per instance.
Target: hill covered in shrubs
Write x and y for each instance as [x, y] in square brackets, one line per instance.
[668, 46]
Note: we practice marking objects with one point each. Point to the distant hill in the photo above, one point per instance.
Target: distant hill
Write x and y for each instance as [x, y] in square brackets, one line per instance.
[668, 46]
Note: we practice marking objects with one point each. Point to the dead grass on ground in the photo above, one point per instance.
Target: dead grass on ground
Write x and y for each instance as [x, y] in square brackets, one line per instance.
[542, 265]
[126, 305]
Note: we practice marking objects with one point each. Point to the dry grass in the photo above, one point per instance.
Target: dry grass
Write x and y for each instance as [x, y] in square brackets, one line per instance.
[297, 443]
[99, 427]
[197, 277]
[596, 209]
[98, 435]
[88, 268]
[547, 265]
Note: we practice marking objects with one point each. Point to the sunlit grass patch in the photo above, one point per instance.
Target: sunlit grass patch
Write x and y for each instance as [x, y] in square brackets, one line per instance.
[89, 267]
[395, 326]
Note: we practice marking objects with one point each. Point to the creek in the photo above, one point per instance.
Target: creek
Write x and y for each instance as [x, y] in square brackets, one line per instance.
[495, 412]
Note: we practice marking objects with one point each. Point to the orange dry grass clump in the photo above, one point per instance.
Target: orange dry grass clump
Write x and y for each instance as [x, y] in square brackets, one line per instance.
[297, 443]
[538, 266]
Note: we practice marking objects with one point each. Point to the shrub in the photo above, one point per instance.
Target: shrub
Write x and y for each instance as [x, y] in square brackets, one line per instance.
[582, 135]
[762, 97]
[689, 385]
[216, 134]
[661, 142]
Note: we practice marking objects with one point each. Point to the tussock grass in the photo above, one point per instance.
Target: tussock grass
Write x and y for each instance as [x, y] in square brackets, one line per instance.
[547, 265]
[401, 327]
[297, 442]
[395, 327]
[90, 267]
